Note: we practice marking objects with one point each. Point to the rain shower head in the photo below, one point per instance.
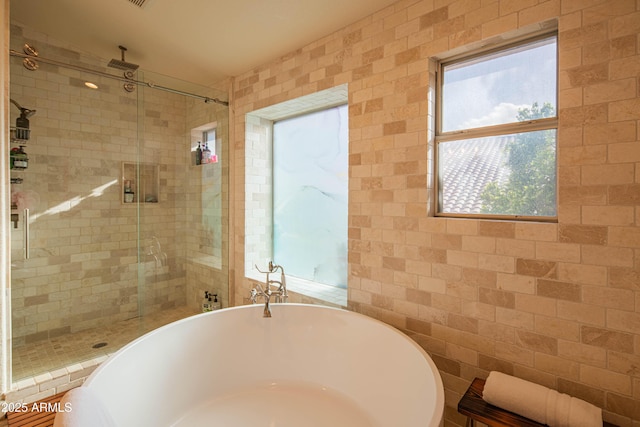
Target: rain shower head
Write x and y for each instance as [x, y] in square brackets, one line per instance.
[26, 112]
[121, 64]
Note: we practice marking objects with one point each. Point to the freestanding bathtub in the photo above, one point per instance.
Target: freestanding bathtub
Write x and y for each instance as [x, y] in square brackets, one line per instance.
[306, 366]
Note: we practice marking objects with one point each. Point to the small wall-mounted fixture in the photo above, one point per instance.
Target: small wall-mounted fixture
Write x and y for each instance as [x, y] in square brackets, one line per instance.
[22, 123]
[30, 63]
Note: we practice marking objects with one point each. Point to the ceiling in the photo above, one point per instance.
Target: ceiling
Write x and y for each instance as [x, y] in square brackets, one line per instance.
[200, 41]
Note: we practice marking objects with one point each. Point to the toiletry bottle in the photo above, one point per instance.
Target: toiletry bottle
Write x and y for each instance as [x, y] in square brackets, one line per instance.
[206, 305]
[216, 304]
[198, 154]
[129, 195]
[206, 153]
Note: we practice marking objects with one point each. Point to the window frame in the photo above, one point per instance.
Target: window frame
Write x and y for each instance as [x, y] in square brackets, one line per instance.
[550, 123]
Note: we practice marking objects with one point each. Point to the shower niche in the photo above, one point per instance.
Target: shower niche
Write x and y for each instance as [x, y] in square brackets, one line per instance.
[140, 183]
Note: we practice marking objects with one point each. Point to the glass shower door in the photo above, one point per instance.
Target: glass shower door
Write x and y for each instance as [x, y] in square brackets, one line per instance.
[116, 230]
[74, 246]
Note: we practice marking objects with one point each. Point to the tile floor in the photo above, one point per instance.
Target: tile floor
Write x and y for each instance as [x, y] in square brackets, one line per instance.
[35, 359]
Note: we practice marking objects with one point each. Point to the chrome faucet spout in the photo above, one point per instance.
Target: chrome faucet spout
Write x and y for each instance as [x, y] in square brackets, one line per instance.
[280, 293]
[267, 311]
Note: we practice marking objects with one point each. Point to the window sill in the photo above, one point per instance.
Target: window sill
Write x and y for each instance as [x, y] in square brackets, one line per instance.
[319, 291]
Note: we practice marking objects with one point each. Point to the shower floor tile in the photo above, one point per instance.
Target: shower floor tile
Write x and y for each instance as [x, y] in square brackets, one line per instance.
[41, 358]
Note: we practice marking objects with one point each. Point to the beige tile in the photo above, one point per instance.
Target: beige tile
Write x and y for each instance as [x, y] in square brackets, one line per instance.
[610, 91]
[581, 353]
[583, 274]
[623, 405]
[497, 298]
[475, 277]
[559, 290]
[498, 263]
[563, 252]
[537, 231]
[566, 368]
[624, 194]
[536, 268]
[536, 304]
[537, 342]
[608, 339]
[607, 256]
[628, 321]
[479, 244]
[515, 354]
[623, 363]
[620, 299]
[516, 319]
[582, 313]
[624, 236]
[517, 248]
[605, 379]
[497, 229]
[608, 215]
[611, 132]
[516, 283]
[583, 234]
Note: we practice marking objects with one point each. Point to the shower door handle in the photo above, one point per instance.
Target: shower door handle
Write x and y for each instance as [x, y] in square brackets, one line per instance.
[25, 218]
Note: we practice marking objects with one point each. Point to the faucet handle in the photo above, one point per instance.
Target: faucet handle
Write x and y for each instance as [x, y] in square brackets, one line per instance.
[254, 295]
[263, 272]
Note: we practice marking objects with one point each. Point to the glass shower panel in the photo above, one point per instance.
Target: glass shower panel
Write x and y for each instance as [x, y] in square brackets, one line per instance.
[74, 263]
[125, 232]
[160, 192]
[188, 226]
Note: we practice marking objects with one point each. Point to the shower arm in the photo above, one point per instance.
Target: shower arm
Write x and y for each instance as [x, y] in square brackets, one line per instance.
[206, 99]
[24, 112]
[16, 104]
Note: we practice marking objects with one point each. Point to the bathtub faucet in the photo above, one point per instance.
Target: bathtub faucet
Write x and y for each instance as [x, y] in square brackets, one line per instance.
[280, 293]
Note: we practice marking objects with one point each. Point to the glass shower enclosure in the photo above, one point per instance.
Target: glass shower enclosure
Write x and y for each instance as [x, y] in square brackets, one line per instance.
[118, 225]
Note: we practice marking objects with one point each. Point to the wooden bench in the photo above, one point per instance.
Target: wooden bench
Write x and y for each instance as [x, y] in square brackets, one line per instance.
[476, 409]
[38, 418]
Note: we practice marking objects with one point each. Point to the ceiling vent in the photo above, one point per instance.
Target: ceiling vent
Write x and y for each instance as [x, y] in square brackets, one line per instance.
[138, 3]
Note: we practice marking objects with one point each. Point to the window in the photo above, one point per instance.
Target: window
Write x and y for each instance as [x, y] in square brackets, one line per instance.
[310, 195]
[209, 142]
[296, 193]
[496, 132]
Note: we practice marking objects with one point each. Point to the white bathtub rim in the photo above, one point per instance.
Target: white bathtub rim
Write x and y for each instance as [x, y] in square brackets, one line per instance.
[438, 386]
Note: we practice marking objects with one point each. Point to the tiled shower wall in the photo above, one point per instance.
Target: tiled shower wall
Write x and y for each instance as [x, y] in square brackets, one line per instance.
[555, 303]
[207, 214]
[83, 269]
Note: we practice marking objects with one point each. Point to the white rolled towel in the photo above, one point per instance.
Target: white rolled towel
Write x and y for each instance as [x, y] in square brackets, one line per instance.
[539, 403]
[80, 407]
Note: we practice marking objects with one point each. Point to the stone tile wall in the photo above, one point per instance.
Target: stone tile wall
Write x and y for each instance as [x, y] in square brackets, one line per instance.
[555, 303]
[206, 223]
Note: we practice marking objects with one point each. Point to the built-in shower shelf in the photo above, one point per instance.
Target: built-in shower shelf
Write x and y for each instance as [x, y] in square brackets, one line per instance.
[140, 183]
